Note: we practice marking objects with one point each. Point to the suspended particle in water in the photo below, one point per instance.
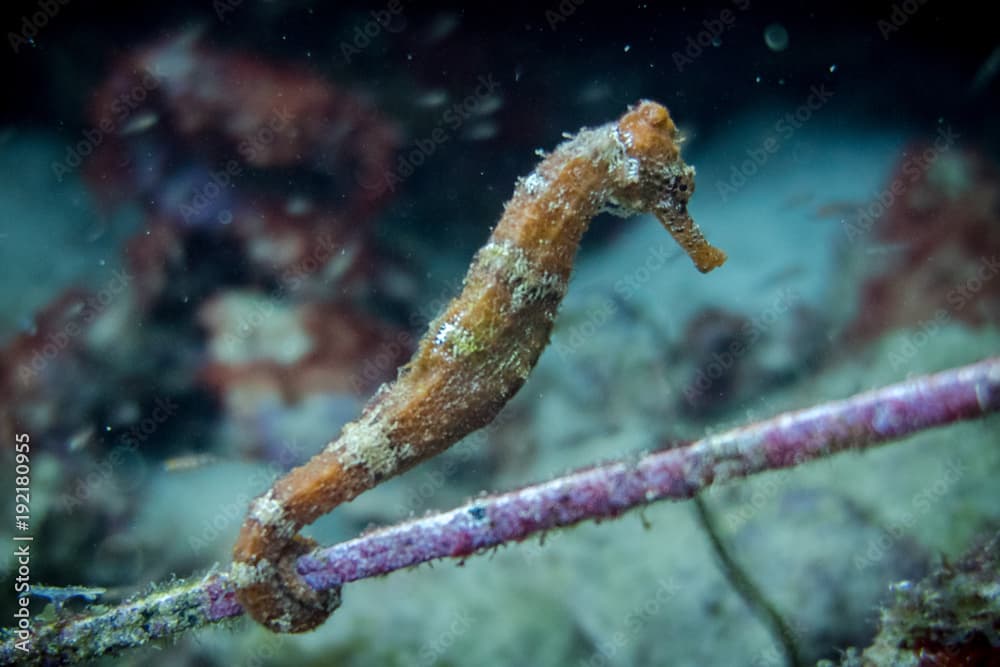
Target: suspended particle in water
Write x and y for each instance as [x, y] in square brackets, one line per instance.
[431, 99]
[440, 27]
[776, 37]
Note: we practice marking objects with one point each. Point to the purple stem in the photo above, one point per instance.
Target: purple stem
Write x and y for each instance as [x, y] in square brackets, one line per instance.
[607, 490]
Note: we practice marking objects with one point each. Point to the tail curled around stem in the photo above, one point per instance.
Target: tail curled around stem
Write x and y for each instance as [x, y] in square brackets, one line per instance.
[477, 353]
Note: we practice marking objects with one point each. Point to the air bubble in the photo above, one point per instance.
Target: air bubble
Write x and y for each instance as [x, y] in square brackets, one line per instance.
[776, 37]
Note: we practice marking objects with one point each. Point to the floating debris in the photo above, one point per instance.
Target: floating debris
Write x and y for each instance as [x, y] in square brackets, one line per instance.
[188, 462]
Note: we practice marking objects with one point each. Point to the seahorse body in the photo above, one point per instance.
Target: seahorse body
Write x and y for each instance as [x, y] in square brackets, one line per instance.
[478, 352]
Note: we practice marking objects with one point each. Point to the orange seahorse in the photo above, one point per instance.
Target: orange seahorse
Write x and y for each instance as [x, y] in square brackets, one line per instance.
[477, 353]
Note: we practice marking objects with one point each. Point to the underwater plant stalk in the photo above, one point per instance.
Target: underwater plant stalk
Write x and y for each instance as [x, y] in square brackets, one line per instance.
[608, 490]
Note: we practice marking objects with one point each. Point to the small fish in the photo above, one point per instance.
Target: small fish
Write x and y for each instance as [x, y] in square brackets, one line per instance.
[594, 92]
[488, 105]
[798, 200]
[58, 595]
[432, 98]
[140, 123]
[782, 276]
[188, 462]
[481, 131]
[96, 232]
[986, 73]
[297, 205]
[440, 27]
[837, 210]
[887, 249]
[80, 439]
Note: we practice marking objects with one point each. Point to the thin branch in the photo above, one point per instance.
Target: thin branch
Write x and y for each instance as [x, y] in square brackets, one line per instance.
[745, 587]
[603, 491]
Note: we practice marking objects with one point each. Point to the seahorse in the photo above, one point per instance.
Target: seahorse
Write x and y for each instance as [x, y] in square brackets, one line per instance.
[478, 352]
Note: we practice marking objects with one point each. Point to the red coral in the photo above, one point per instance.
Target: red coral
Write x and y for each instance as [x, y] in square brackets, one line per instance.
[212, 140]
[232, 105]
[294, 350]
[941, 230]
[42, 372]
[307, 364]
[249, 173]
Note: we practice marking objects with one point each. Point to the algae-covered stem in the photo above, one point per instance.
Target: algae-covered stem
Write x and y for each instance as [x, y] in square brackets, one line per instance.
[859, 422]
[476, 354]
